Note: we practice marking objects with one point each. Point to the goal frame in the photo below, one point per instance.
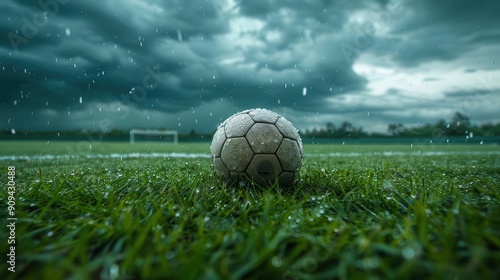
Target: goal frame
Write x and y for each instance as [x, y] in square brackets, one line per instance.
[136, 131]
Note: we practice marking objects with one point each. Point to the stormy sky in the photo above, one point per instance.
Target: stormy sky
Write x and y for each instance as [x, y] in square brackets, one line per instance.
[190, 64]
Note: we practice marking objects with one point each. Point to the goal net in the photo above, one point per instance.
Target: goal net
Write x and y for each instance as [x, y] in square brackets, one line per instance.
[170, 134]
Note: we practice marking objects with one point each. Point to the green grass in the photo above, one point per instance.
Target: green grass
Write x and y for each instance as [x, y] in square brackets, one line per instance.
[361, 215]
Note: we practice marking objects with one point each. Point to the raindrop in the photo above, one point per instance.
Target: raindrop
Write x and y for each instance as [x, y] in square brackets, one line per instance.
[81, 100]
[13, 131]
[179, 35]
[304, 91]
[68, 31]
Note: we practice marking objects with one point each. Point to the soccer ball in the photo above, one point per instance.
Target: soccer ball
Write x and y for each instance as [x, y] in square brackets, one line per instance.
[258, 146]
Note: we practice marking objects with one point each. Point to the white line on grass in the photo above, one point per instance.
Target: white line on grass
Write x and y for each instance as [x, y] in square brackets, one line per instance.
[112, 156]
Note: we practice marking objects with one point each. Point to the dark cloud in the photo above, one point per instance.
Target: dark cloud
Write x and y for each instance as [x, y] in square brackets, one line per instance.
[471, 93]
[189, 64]
[430, 79]
[426, 31]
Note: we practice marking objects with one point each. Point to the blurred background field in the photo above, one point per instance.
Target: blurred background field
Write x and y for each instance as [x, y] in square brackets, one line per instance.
[37, 147]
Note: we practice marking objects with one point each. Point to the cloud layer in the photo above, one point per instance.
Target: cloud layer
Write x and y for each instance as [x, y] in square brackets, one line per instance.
[190, 64]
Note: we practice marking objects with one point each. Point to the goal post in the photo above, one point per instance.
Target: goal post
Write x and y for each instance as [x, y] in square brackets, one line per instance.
[136, 131]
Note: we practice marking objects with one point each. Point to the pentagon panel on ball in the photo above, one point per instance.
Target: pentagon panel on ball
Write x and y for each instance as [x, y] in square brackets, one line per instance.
[257, 146]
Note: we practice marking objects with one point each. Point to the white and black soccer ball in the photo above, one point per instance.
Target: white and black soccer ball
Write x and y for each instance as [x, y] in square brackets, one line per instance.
[258, 146]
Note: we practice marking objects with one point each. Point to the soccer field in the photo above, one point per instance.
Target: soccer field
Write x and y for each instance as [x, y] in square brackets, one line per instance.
[156, 210]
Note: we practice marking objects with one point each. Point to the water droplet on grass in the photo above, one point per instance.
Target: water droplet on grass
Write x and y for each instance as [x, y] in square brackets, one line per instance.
[114, 270]
[276, 261]
[408, 253]
[169, 255]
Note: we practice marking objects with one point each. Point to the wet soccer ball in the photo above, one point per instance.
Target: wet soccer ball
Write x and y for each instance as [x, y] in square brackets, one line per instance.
[258, 146]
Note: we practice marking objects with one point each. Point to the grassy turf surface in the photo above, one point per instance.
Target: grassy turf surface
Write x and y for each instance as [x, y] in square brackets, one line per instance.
[357, 212]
